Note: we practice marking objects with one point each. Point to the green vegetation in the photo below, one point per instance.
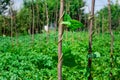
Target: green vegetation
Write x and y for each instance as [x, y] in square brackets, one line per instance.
[102, 18]
[22, 20]
[71, 23]
[81, 40]
[38, 61]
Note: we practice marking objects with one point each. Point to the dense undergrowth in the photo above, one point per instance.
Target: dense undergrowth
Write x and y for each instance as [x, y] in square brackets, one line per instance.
[22, 59]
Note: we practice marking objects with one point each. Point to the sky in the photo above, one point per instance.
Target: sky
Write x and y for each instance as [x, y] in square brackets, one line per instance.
[18, 4]
[99, 4]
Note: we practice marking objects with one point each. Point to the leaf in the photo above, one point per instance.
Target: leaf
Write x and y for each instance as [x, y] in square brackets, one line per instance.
[75, 24]
[71, 23]
[66, 17]
[97, 54]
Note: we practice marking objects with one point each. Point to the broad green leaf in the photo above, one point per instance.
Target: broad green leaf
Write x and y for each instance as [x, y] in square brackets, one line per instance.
[67, 17]
[97, 54]
[71, 23]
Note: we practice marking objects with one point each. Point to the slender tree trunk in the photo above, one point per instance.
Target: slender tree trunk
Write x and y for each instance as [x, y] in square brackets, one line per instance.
[102, 25]
[119, 22]
[11, 21]
[56, 19]
[90, 40]
[15, 29]
[95, 26]
[37, 8]
[112, 38]
[30, 22]
[60, 30]
[47, 18]
[99, 26]
[33, 26]
[4, 27]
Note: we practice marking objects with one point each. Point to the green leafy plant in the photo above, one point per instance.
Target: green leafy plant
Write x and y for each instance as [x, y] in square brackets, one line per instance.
[71, 23]
[39, 60]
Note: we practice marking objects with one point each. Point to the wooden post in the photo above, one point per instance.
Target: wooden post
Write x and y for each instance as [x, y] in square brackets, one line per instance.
[90, 40]
[60, 32]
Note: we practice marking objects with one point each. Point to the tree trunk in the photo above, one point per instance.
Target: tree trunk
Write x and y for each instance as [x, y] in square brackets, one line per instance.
[60, 31]
[47, 18]
[102, 25]
[90, 40]
[11, 23]
[112, 38]
[33, 20]
[95, 26]
[15, 28]
[37, 24]
[56, 19]
[4, 27]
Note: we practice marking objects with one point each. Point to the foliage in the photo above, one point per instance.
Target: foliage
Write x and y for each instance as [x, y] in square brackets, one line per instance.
[24, 60]
[102, 17]
[71, 23]
[22, 19]
[3, 5]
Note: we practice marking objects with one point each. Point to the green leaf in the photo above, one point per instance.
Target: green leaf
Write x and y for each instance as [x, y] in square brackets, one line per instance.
[67, 17]
[75, 24]
[71, 23]
[97, 54]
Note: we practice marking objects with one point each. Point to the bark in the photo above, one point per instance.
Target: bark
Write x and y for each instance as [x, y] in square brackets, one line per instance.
[60, 31]
[112, 38]
[90, 40]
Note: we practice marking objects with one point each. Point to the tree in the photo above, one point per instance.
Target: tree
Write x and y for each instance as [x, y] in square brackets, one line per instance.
[3, 5]
[112, 39]
[103, 13]
[33, 20]
[24, 20]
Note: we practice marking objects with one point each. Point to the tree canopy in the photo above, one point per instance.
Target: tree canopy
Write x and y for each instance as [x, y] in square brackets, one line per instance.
[3, 5]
